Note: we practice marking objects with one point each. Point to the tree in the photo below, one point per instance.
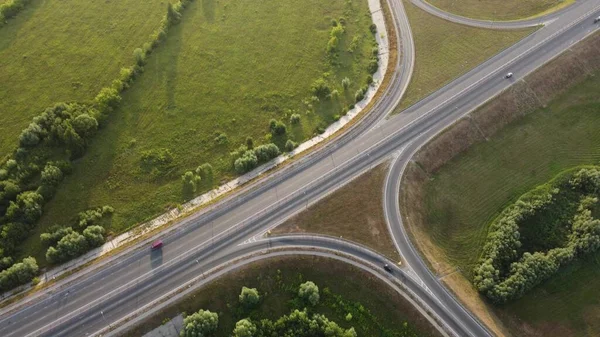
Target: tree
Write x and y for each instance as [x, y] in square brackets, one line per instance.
[277, 128]
[320, 88]
[200, 324]
[309, 292]
[249, 297]
[54, 235]
[266, 152]
[27, 208]
[190, 182]
[19, 273]
[51, 175]
[70, 246]
[345, 83]
[205, 171]
[244, 328]
[246, 162]
[249, 143]
[107, 100]
[31, 136]
[294, 119]
[85, 125]
[94, 235]
[173, 16]
[290, 145]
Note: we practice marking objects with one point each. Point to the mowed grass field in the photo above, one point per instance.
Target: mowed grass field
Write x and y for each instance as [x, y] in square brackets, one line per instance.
[227, 68]
[496, 10]
[277, 280]
[446, 50]
[66, 50]
[467, 193]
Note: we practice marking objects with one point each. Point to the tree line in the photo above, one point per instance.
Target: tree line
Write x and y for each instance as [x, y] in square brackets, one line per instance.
[501, 275]
[61, 133]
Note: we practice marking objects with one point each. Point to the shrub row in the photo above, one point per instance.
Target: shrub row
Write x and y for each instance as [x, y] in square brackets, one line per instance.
[500, 276]
[248, 159]
[64, 129]
[75, 244]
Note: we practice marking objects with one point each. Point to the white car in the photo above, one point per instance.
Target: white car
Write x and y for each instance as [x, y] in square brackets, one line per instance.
[596, 20]
[509, 75]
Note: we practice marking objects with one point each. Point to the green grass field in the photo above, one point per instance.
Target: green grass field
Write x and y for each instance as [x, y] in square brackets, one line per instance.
[66, 50]
[384, 310]
[446, 50]
[493, 10]
[228, 67]
[470, 191]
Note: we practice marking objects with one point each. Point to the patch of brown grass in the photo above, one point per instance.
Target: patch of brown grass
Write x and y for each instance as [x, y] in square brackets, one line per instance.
[354, 212]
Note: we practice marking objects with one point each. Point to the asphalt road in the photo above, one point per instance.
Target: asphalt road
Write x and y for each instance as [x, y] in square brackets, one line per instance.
[213, 237]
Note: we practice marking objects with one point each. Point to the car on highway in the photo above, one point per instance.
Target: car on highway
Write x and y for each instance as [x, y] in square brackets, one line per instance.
[387, 268]
[156, 245]
[596, 20]
[509, 75]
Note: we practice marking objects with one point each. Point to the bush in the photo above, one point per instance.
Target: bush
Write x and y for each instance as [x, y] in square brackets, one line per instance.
[246, 162]
[309, 292]
[277, 128]
[295, 119]
[320, 88]
[373, 28]
[221, 138]
[92, 216]
[244, 328]
[94, 236]
[249, 297]
[266, 152]
[290, 145]
[18, 274]
[205, 172]
[107, 100]
[70, 246]
[190, 183]
[139, 56]
[201, 323]
[27, 209]
[373, 66]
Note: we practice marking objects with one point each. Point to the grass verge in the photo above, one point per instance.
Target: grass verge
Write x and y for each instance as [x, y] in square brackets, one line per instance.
[354, 212]
[464, 177]
[384, 308]
[507, 10]
[446, 50]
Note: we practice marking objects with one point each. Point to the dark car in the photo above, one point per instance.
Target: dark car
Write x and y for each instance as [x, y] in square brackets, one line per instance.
[387, 268]
[156, 245]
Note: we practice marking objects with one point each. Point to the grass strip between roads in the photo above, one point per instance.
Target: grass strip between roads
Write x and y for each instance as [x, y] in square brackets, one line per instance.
[500, 11]
[462, 179]
[277, 281]
[354, 212]
[445, 50]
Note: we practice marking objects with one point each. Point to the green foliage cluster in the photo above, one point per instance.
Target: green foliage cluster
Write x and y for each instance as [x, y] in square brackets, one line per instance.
[60, 134]
[334, 37]
[200, 324]
[65, 243]
[18, 273]
[297, 323]
[10, 8]
[501, 275]
[248, 159]
[75, 244]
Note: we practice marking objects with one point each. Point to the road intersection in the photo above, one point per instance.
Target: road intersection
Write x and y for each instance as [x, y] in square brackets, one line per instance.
[213, 238]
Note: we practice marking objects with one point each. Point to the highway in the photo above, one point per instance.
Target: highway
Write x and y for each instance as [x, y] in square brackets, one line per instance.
[232, 228]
